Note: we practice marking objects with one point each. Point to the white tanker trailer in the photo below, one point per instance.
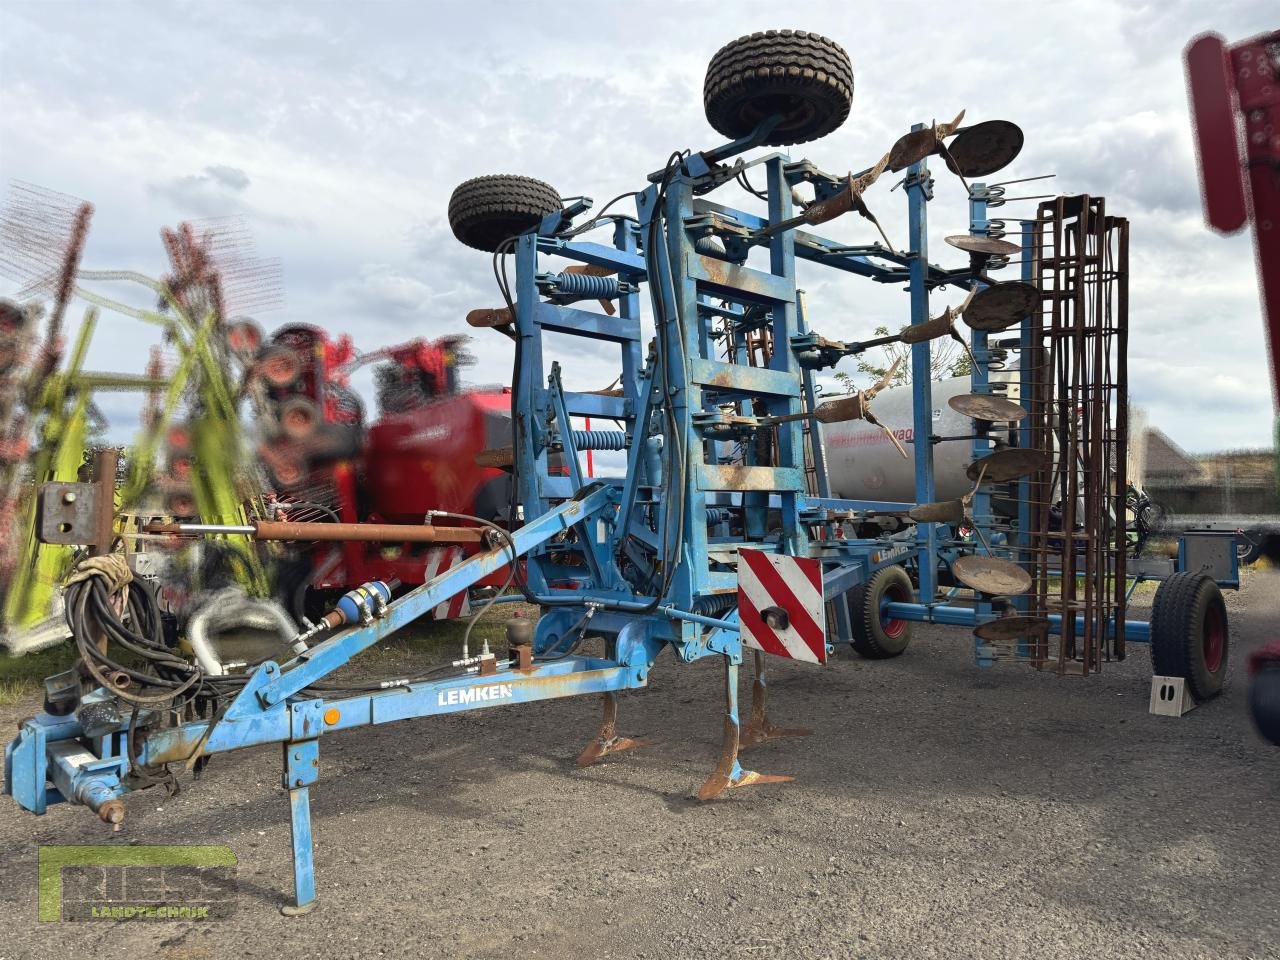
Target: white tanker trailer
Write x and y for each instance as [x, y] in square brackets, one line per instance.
[864, 464]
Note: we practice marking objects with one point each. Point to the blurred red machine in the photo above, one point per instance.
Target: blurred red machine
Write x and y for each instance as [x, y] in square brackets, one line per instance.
[1235, 102]
[418, 456]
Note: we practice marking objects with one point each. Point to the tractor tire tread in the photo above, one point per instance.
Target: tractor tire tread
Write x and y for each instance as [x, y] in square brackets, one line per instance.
[485, 211]
[779, 61]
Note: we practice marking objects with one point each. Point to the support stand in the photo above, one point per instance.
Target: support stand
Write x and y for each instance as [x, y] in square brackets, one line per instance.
[301, 769]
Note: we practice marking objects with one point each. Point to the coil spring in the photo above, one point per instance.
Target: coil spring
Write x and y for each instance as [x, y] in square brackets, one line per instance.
[599, 440]
[715, 603]
[996, 229]
[709, 245]
[719, 514]
[587, 285]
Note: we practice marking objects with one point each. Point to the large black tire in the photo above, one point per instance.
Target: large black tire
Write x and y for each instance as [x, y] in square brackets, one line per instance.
[485, 211]
[1189, 635]
[805, 77]
[873, 637]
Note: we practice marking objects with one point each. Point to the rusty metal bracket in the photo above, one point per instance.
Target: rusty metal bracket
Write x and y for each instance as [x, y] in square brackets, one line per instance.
[80, 514]
[67, 513]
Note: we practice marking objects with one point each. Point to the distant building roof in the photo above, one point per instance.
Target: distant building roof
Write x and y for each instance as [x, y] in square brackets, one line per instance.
[1166, 460]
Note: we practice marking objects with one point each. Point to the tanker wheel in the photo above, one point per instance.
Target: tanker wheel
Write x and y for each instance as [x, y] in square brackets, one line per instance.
[485, 211]
[1189, 635]
[804, 77]
[876, 636]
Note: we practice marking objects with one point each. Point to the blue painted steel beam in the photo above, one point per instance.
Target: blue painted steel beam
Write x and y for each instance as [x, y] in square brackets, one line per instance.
[584, 323]
[919, 187]
[628, 263]
[1138, 631]
[732, 379]
[595, 405]
[340, 648]
[739, 282]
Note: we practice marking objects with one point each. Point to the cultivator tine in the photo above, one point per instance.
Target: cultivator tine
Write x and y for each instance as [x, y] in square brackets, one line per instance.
[915, 146]
[944, 324]
[856, 407]
[607, 740]
[759, 729]
[728, 773]
[850, 198]
[493, 318]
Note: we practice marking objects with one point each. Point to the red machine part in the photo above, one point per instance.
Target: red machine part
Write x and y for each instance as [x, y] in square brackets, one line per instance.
[415, 461]
[417, 457]
[1228, 85]
[424, 458]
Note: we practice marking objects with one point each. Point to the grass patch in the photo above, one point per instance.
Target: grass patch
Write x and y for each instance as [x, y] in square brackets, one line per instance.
[21, 677]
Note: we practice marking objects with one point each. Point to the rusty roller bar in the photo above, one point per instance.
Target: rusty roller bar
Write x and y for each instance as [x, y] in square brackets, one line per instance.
[360, 532]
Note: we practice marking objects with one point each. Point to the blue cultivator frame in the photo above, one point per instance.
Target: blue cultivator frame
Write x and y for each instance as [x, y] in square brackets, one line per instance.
[645, 561]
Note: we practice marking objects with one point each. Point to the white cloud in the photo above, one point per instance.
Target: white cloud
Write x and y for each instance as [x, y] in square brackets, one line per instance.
[338, 132]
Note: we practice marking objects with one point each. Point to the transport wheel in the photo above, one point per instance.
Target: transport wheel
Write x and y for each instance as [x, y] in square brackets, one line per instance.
[874, 636]
[485, 211]
[1189, 635]
[802, 76]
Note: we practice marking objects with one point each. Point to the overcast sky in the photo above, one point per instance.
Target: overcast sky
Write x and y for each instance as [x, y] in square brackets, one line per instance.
[338, 131]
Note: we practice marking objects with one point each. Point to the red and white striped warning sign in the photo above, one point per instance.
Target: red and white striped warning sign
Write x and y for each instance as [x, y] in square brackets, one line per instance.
[440, 559]
[770, 583]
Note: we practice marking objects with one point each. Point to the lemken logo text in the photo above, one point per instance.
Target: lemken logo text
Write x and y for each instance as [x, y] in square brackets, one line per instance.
[461, 695]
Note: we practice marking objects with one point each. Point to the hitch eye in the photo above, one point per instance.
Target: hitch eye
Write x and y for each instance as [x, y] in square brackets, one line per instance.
[775, 618]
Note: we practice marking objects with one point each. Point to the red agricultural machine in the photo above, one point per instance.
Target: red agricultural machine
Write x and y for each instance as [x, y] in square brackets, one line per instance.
[1235, 103]
[416, 458]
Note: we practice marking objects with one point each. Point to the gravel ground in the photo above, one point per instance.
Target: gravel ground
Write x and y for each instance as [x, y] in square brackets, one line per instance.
[938, 811]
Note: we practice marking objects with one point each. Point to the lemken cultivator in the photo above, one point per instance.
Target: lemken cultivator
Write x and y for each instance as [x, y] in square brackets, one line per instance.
[720, 537]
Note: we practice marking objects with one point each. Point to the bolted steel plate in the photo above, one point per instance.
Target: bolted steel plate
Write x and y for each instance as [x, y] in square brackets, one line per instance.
[987, 246]
[984, 148]
[65, 513]
[1008, 464]
[944, 511]
[984, 406]
[1010, 628]
[1001, 305]
[991, 575]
